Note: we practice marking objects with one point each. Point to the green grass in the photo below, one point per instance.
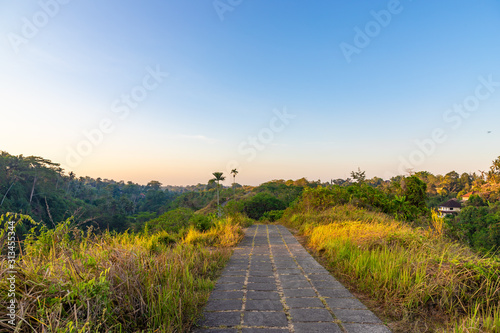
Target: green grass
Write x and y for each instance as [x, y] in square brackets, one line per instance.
[416, 275]
[69, 280]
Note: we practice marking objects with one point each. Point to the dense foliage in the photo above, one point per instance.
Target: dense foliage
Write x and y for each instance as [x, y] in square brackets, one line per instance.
[261, 203]
[408, 204]
[477, 226]
[38, 187]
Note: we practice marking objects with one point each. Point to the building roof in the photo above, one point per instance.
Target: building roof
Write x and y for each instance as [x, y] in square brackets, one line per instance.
[469, 194]
[452, 203]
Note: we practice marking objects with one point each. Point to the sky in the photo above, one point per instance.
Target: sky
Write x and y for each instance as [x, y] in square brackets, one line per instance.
[175, 90]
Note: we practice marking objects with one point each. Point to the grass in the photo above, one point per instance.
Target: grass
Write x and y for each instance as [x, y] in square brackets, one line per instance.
[69, 280]
[416, 275]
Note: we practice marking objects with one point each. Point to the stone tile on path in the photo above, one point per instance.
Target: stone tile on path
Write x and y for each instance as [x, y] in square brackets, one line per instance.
[364, 328]
[335, 293]
[265, 330]
[318, 328]
[271, 284]
[231, 279]
[228, 286]
[292, 277]
[226, 295]
[356, 316]
[216, 330]
[299, 292]
[270, 295]
[261, 279]
[327, 284]
[224, 305]
[261, 318]
[345, 303]
[263, 305]
[295, 284]
[310, 315]
[216, 319]
[262, 286]
[304, 302]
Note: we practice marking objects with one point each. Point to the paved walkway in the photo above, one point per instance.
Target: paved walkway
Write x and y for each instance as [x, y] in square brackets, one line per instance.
[271, 284]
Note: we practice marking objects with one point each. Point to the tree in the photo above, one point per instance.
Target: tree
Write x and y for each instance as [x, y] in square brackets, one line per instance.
[476, 201]
[359, 176]
[154, 185]
[234, 172]
[479, 180]
[70, 180]
[416, 195]
[375, 181]
[451, 182]
[218, 177]
[211, 184]
[494, 173]
[341, 182]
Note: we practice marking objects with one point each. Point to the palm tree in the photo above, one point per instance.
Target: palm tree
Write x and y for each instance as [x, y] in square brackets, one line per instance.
[234, 172]
[218, 177]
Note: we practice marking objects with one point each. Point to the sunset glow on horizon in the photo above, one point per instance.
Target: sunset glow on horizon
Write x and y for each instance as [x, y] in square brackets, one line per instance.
[173, 91]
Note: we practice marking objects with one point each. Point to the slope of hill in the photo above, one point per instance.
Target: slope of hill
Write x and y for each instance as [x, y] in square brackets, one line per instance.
[421, 280]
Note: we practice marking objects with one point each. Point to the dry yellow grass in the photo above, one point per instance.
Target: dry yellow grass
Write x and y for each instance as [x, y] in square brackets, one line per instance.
[414, 272]
[71, 281]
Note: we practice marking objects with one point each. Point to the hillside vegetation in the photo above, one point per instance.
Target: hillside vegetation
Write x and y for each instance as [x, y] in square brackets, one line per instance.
[423, 281]
[70, 280]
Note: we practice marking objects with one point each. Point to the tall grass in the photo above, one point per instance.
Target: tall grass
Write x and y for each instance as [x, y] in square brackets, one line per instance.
[69, 280]
[414, 272]
[224, 233]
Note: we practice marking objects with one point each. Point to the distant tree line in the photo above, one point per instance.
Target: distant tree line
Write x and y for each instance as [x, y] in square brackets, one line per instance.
[38, 187]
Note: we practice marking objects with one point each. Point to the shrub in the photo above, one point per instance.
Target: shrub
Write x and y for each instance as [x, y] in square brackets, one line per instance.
[201, 222]
[272, 215]
[260, 203]
[171, 221]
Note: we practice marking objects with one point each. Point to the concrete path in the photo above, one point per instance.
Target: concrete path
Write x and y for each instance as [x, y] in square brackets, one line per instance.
[271, 284]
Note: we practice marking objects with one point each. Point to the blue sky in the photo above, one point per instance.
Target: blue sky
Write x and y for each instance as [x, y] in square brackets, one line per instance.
[175, 90]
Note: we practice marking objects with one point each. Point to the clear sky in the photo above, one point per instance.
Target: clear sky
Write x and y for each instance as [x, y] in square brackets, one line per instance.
[174, 90]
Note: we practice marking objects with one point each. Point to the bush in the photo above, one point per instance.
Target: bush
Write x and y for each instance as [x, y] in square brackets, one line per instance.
[477, 226]
[172, 221]
[409, 206]
[201, 222]
[476, 201]
[261, 203]
[272, 215]
[234, 207]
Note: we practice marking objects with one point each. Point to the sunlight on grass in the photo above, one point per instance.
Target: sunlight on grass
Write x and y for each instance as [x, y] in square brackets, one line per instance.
[74, 281]
[409, 269]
